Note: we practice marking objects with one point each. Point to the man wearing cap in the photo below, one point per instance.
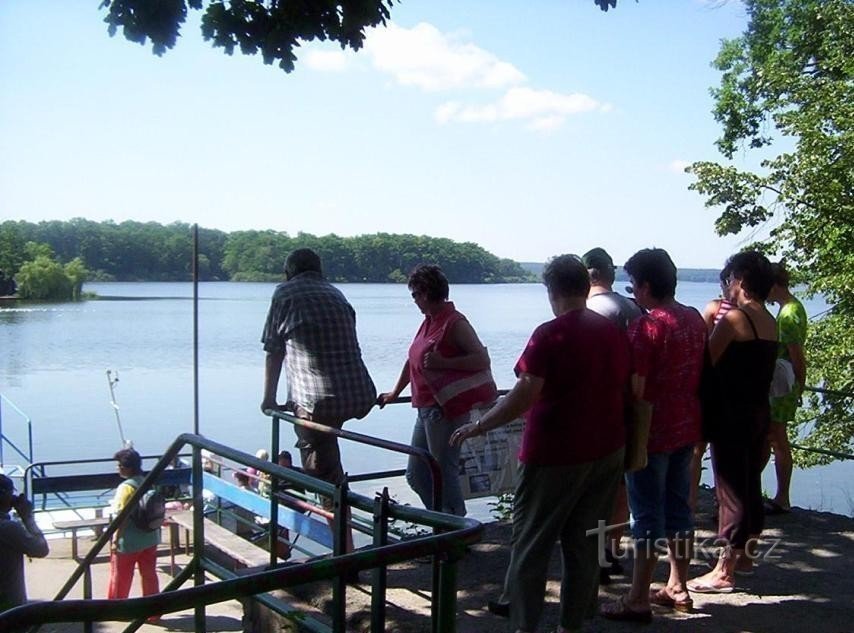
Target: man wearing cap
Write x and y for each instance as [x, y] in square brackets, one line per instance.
[602, 298]
[16, 539]
[621, 311]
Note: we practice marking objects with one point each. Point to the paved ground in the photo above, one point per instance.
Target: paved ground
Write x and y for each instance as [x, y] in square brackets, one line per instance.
[804, 585]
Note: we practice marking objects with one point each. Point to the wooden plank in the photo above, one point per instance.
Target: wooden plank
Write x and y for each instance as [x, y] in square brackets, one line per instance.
[311, 528]
[225, 541]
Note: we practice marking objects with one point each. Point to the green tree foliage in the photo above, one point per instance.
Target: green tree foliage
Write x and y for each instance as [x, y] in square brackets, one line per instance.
[788, 82]
[135, 251]
[45, 279]
[273, 28]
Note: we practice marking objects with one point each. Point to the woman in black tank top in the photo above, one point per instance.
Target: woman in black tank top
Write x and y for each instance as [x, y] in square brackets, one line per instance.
[743, 348]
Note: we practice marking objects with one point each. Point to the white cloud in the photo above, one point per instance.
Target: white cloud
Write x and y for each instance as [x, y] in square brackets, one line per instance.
[544, 109]
[327, 61]
[425, 57]
[677, 166]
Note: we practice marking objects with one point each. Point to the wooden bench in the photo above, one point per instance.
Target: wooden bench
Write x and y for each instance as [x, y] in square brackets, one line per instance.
[73, 526]
[235, 547]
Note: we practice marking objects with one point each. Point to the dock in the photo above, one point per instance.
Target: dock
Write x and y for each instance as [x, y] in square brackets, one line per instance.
[803, 584]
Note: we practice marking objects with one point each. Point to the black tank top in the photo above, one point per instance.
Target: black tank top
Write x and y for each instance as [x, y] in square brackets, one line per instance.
[745, 370]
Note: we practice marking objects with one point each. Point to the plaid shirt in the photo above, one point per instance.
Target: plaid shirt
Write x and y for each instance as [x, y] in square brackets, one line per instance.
[314, 325]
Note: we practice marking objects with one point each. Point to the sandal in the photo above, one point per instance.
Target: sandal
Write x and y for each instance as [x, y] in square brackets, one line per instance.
[621, 612]
[664, 599]
[701, 586]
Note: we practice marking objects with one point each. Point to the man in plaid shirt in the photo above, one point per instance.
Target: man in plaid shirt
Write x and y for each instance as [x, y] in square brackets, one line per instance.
[312, 325]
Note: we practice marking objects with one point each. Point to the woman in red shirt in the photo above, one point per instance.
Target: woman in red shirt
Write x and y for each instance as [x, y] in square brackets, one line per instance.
[448, 370]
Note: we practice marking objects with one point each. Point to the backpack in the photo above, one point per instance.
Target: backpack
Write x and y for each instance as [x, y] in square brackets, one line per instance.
[150, 511]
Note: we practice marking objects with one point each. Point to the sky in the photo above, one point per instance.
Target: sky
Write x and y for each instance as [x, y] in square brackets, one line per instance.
[531, 127]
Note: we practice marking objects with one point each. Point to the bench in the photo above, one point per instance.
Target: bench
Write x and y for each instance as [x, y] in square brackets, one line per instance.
[235, 547]
[73, 526]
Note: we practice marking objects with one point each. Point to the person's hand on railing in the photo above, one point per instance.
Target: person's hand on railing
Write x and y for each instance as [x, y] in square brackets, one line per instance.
[270, 404]
[386, 398]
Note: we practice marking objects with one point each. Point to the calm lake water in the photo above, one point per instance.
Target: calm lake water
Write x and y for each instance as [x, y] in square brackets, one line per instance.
[54, 361]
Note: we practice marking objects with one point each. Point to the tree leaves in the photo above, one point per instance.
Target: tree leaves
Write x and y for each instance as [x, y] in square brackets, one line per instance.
[789, 81]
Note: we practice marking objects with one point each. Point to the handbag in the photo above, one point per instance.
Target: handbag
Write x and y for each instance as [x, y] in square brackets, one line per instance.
[784, 379]
[489, 463]
[637, 435]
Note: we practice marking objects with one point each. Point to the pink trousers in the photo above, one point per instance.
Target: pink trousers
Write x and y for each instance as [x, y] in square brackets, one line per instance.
[121, 572]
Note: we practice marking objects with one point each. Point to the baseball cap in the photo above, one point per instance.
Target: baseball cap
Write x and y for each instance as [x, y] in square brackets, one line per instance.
[598, 258]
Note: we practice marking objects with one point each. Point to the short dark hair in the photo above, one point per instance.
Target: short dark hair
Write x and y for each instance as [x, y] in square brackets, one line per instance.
[429, 279]
[129, 459]
[753, 269]
[302, 260]
[653, 266]
[780, 274]
[566, 276]
[285, 455]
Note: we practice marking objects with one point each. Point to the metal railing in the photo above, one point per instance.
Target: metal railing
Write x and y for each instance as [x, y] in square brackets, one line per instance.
[4, 440]
[447, 544]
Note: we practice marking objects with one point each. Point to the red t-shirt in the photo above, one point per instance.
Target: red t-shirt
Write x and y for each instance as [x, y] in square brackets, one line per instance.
[585, 361]
[668, 345]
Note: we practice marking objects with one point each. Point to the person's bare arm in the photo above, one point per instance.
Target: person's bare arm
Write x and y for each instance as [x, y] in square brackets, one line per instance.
[272, 373]
[799, 363]
[402, 381]
[524, 394]
[474, 356]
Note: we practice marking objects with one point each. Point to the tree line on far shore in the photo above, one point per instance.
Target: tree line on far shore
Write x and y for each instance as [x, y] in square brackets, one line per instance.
[149, 251]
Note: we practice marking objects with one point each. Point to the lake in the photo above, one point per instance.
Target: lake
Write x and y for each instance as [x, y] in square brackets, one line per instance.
[55, 358]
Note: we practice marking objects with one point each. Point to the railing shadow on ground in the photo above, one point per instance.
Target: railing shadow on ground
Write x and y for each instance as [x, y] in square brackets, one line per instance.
[447, 545]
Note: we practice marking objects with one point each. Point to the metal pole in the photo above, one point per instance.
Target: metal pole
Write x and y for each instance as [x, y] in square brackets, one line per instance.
[196, 329]
[274, 501]
[339, 542]
[380, 580]
[198, 534]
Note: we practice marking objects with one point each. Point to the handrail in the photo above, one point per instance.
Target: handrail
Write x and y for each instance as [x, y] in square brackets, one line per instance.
[453, 534]
[28, 458]
[361, 438]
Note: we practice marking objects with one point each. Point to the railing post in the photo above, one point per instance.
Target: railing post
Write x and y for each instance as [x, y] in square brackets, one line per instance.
[380, 573]
[447, 596]
[340, 526]
[198, 534]
[2, 437]
[274, 501]
[87, 595]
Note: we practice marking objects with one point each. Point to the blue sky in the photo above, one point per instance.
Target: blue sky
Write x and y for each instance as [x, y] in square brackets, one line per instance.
[532, 127]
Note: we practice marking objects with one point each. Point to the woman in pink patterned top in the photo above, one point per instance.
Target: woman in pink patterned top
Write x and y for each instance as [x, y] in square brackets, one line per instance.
[668, 344]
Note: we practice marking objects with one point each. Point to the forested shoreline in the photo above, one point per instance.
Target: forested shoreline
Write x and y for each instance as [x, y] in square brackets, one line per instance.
[149, 251]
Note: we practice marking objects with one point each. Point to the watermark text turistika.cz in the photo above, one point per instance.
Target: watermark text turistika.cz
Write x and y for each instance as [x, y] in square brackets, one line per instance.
[708, 548]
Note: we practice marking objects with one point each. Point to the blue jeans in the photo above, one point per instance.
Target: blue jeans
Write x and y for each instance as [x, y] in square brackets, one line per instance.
[658, 495]
[432, 432]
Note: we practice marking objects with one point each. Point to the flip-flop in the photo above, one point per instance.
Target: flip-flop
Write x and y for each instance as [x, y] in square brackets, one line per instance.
[772, 508]
[664, 599]
[698, 586]
[621, 612]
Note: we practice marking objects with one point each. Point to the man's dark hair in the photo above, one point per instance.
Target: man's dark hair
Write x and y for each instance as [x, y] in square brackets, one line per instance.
[754, 271]
[566, 276]
[129, 459]
[302, 260]
[781, 275]
[430, 280]
[653, 266]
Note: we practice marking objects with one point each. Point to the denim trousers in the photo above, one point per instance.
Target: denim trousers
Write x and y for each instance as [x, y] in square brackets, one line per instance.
[658, 496]
[432, 432]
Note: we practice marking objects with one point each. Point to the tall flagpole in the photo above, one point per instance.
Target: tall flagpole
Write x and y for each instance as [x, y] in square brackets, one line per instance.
[196, 329]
